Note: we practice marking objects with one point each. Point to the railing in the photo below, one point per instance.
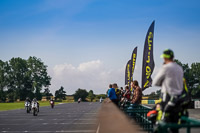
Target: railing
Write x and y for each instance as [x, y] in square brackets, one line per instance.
[188, 124]
[139, 114]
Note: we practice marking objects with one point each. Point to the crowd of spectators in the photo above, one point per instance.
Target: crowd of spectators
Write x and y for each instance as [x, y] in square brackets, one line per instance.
[132, 94]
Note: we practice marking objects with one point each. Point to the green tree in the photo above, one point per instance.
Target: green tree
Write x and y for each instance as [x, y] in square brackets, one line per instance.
[20, 78]
[39, 76]
[192, 76]
[195, 74]
[80, 93]
[101, 95]
[91, 95]
[17, 78]
[154, 95]
[3, 80]
[61, 94]
[47, 93]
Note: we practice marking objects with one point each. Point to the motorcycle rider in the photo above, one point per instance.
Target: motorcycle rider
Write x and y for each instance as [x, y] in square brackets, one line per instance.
[38, 105]
[79, 100]
[51, 101]
[29, 103]
[170, 78]
[28, 100]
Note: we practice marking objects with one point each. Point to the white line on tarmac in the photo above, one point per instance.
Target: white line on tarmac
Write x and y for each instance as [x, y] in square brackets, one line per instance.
[76, 119]
[26, 119]
[83, 113]
[98, 128]
[62, 131]
[50, 124]
[73, 123]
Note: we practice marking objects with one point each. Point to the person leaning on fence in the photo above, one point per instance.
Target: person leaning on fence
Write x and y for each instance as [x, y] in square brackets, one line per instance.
[127, 93]
[122, 91]
[112, 95]
[137, 94]
[110, 86]
[117, 91]
[170, 78]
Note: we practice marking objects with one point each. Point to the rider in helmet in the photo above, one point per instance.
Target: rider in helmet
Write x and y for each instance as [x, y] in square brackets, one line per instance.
[38, 105]
[28, 99]
[51, 100]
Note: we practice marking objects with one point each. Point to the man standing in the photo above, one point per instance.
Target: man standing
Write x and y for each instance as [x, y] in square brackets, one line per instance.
[137, 94]
[112, 95]
[170, 78]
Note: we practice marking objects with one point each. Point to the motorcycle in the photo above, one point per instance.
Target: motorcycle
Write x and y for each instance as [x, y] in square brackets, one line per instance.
[52, 104]
[35, 108]
[79, 100]
[27, 107]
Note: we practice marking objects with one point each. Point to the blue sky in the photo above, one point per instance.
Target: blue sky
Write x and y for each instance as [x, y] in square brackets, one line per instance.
[68, 34]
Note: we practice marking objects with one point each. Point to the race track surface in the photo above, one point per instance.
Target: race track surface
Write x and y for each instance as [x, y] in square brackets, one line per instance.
[64, 118]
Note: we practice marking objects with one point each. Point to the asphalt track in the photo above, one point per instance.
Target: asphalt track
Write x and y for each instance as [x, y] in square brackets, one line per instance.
[64, 118]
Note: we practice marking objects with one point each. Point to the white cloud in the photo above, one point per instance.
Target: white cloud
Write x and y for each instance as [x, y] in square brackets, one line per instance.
[92, 75]
[88, 75]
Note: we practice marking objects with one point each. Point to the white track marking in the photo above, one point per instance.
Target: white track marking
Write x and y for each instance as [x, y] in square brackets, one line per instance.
[50, 124]
[98, 129]
[62, 131]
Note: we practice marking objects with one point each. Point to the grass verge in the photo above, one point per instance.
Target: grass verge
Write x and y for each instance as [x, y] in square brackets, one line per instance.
[20, 105]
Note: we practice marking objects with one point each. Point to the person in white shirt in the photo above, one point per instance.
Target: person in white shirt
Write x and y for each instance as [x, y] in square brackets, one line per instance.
[170, 79]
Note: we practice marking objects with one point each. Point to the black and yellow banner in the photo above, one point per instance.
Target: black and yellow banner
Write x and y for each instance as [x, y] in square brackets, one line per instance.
[130, 67]
[148, 60]
[127, 73]
[133, 61]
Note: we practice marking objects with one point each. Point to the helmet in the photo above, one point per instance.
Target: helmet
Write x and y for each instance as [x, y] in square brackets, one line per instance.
[151, 115]
[34, 99]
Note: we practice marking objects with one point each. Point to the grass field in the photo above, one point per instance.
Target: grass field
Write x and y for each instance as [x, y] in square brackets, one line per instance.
[20, 105]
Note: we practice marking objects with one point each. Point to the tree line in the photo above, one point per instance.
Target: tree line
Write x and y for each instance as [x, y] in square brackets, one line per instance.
[85, 96]
[192, 76]
[21, 78]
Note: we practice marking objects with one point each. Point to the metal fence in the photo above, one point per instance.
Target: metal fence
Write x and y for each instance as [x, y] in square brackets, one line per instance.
[139, 114]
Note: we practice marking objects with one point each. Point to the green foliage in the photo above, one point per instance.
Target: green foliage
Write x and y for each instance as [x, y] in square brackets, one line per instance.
[101, 95]
[154, 95]
[61, 94]
[91, 95]
[20, 105]
[80, 93]
[192, 76]
[4, 68]
[20, 78]
[47, 93]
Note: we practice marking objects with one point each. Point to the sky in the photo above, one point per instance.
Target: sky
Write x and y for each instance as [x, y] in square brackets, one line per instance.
[87, 43]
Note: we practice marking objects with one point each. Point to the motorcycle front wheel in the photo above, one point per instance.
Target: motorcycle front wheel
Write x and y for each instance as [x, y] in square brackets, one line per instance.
[34, 112]
[27, 110]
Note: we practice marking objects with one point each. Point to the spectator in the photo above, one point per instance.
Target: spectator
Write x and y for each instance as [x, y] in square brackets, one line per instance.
[122, 91]
[110, 86]
[117, 91]
[112, 95]
[170, 78]
[127, 93]
[137, 95]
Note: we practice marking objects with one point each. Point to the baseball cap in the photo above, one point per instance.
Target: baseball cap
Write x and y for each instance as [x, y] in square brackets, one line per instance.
[168, 53]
